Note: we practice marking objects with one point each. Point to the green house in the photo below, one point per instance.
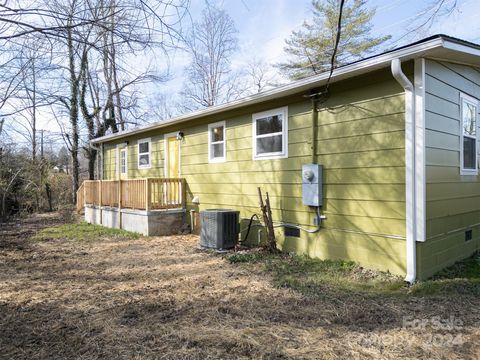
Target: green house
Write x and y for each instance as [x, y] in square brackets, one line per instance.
[396, 136]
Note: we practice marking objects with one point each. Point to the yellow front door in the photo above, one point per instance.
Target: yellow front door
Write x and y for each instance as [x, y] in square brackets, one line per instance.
[173, 150]
[172, 190]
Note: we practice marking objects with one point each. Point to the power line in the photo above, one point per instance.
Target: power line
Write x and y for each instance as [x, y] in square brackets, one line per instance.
[337, 41]
[389, 43]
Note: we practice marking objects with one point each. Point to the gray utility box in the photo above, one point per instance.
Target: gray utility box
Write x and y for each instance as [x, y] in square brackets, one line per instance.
[219, 228]
[312, 175]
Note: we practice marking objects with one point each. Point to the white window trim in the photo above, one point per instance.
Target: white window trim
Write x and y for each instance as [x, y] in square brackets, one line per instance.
[273, 155]
[124, 150]
[474, 102]
[210, 142]
[141, 141]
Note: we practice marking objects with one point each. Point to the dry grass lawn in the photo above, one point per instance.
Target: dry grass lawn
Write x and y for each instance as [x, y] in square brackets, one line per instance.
[162, 298]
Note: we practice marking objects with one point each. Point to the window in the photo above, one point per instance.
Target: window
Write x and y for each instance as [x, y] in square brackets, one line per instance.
[468, 143]
[216, 142]
[144, 153]
[270, 129]
[123, 161]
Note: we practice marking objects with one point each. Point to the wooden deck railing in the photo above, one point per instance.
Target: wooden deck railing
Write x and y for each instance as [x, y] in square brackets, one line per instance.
[80, 198]
[140, 194]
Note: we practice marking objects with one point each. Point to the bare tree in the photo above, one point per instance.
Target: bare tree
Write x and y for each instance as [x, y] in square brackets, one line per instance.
[261, 75]
[106, 99]
[161, 107]
[33, 65]
[10, 81]
[211, 43]
[91, 42]
[421, 24]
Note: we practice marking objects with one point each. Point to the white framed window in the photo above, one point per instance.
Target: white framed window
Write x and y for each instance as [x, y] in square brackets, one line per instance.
[270, 134]
[123, 161]
[144, 153]
[217, 146]
[469, 137]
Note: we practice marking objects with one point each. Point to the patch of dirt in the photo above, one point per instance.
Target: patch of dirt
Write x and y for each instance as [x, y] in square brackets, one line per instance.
[16, 233]
[160, 297]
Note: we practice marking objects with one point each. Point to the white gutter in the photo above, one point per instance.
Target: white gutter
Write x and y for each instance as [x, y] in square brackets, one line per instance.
[410, 194]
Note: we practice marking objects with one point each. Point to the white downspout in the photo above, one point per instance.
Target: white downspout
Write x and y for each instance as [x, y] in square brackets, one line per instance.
[409, 169]
[99, 158]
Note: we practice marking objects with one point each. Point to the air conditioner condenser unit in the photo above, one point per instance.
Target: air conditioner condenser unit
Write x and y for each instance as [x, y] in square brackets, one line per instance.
[219, 228]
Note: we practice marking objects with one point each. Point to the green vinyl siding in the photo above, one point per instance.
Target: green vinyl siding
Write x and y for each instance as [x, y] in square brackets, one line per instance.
[360, 142]
[452, 200]
[109, 162]
[156, 160]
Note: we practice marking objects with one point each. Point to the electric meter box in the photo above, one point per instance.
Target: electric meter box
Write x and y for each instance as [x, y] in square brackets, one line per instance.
[312, 193]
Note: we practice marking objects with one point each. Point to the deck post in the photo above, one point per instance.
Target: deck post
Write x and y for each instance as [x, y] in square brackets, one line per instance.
[182, 193]
[84, 193]
[120, 203]
[147, 194]
[100, 200]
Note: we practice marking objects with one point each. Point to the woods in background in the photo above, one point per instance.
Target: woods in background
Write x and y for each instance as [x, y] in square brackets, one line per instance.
[72, 60]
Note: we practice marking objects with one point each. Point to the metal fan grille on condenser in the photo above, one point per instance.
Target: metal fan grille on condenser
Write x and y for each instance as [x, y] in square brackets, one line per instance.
[219, 228]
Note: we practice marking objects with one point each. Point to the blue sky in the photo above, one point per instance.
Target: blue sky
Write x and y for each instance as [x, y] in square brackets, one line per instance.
[264, 25]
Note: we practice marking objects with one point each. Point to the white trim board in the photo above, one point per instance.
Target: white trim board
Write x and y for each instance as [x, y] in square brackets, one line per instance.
[420, 169]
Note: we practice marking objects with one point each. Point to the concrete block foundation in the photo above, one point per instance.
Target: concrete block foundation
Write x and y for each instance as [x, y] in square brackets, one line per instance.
[150, 223]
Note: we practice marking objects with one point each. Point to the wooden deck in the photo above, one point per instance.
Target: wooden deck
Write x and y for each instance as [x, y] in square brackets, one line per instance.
[139, 194]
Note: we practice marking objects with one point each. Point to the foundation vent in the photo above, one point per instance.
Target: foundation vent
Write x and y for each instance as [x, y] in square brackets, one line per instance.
[468, 235]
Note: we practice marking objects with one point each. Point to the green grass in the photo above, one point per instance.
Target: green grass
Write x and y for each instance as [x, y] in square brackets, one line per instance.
[313, 277]
[84, 232]
[468, 269]
[238, 258]
[462, 277]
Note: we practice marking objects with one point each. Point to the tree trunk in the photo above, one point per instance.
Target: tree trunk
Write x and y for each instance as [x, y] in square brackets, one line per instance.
[92, 155]
[34, 131]
[34, 113]
[73, 116]
[113, 64]
[3, 212]
[48, 192]
[88, 117]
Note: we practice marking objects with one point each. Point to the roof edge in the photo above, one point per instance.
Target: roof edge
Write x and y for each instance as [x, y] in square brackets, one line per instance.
[406, 52]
